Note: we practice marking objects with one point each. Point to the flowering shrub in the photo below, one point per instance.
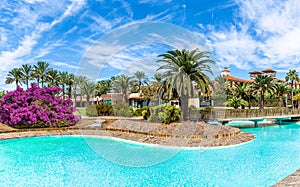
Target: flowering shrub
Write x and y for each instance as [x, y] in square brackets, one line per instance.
[36, 107]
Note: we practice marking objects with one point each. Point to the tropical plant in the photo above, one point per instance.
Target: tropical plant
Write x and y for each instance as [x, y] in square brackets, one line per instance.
[40, 72]
[78, 84]
[70, 83]
[281, 89]
[14, 76]
[244, 91]
[88, 89]
[53, 77]
[182, 68]
[236, 102]
[263, 84]
[297, 98]
[163, 113]
[122, 109]
[103, 87]
[63, 78]
[26, 71]
[219, 85]
[91, 111]
[36, 107]
[141, 79]
[292, 76]
[123, 83]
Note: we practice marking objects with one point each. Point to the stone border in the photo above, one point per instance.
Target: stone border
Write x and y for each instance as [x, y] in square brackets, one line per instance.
[291, 180]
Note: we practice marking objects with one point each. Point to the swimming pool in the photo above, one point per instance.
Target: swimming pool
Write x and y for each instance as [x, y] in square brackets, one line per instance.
[69, 161]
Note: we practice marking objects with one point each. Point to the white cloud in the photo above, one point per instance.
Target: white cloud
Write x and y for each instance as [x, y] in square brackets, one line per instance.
[63, 64]
[28, 18]
[154, 1]
[264, 34]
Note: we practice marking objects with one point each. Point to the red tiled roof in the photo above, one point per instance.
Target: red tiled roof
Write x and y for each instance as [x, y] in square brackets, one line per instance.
[106, 97]
[235, 79]
[268, 70]
[255, 72]
[135, 96]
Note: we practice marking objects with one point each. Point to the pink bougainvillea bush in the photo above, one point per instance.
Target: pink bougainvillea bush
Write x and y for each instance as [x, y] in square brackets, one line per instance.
[36, 107]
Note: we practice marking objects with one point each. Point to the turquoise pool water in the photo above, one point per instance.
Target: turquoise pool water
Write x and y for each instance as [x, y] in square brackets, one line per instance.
[69, 161]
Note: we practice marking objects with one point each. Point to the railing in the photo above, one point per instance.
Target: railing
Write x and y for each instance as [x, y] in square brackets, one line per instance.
[241, 113]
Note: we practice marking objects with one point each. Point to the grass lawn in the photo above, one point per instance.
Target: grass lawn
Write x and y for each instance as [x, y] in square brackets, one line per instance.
[81, 111]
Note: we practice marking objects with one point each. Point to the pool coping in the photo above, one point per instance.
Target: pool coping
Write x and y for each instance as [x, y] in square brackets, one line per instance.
[291, 180]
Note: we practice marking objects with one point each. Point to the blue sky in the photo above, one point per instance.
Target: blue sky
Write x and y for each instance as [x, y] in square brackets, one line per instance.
[242, 34]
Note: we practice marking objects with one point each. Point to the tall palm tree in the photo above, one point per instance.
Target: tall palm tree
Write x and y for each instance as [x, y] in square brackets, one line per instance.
[53, 77]
[88, 89]
[281, 89]
[26, 71]
[263, 84]
[219, 85]
[78, 83]
[158, 77]
[183, 67]
[292, 76]
[70, 83]
[14, 76]
[123, 83]
[103, 87]
[63, 79]
[141, 79]
[40, 71]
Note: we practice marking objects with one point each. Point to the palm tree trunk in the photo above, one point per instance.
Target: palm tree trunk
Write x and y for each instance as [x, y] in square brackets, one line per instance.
[292, 94]
[80, 100]
[70, 92]
[42, 80]
[27, 82]
[63, 91]
[184, 100]
[261, 100]
[280, 101]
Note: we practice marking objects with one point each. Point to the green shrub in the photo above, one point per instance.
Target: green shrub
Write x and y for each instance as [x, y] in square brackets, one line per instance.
[91, 111]
[122, 109]
[105, 110]
[146, 113]
[164, 113]
[138, 111]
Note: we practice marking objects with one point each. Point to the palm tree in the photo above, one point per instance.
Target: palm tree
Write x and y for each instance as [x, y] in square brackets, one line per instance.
[14, 75]
[297, 98]
[263, 84]
[281, 88]
[53, 77]
[123, 83]
[292, 76]
[40, 71]
[78, 83]
[183, 67]
[219, 85]
[103, 86]
[236, 102]
[63, 79]
[244, 91]
[88, 89]
[70, 83]
[158, 77]
[26, 71]
[141, 79]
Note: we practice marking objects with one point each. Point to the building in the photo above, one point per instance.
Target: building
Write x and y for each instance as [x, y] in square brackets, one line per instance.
[111, 98]
[252, 74]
